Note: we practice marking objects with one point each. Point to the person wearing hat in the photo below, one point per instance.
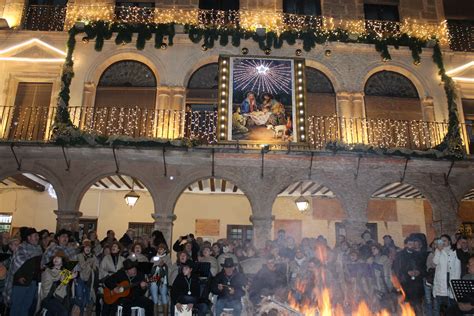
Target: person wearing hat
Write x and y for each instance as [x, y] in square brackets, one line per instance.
[186, 290]
[88, 267]
[20, 289]
[268, 280]
[138, 288]
[228, 286]
[54, 289]
[62, 237]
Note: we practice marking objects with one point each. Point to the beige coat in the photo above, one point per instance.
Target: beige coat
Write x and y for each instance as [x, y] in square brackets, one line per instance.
[107, 266]
[48, 277]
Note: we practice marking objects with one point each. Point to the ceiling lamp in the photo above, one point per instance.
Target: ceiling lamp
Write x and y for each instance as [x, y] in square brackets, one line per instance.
[302, 204]
[131, 198]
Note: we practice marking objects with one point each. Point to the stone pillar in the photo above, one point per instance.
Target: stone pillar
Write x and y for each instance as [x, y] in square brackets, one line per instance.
[354, 229]
[67, 220]
[164, 223]
[262, 229]
[427, 108]
[343, 101]
[164, 98]
[358, 108]
[178, 98]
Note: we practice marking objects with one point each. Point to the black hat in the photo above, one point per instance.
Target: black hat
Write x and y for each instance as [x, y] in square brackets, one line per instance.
[228, 263]
[188, 263]
[30, 231]
[129, 264]
[63, 232]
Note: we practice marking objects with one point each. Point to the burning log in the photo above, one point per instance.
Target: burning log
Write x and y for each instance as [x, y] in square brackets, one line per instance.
[270, 306]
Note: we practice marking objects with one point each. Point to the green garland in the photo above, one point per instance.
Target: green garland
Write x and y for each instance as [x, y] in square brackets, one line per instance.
[100, 31]
[452, 142]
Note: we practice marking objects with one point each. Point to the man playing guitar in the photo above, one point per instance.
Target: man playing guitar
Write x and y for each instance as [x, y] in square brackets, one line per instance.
[127, 288]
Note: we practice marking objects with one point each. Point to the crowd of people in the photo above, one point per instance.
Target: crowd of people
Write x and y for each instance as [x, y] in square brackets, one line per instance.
[227, 277]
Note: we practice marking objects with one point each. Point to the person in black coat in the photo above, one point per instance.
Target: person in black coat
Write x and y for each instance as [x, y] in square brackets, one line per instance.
[186, 290]
[181, 245]
[127, 238]
[267, 281]
[409, 267]
[138, 288]
[228, 286]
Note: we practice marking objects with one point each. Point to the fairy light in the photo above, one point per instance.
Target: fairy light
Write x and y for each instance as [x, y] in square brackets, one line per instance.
[224, 86]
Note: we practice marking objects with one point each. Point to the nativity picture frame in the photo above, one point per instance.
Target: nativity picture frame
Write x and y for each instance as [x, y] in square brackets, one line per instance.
[261, 99]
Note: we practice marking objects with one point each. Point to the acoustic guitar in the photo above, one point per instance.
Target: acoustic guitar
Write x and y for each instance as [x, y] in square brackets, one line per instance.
[125, 287]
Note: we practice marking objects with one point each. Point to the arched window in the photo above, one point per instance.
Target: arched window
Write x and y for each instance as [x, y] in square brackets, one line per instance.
[320, 96]
[125, 100]
[203, 88]
[222, 5]
[391, 95]
[303, 7]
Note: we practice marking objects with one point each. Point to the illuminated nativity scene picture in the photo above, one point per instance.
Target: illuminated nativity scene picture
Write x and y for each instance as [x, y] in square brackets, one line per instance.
[261, 100]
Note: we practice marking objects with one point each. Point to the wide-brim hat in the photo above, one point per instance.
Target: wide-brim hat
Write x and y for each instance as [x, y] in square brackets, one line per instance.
[228, 263]
[63, 232]
[129, 264]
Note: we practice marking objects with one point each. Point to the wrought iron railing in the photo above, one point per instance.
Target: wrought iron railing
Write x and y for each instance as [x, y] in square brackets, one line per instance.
[44, 17]
[461, 35]
[35, 124]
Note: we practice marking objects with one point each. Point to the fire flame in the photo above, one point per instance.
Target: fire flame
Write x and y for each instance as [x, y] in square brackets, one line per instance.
[324, 306]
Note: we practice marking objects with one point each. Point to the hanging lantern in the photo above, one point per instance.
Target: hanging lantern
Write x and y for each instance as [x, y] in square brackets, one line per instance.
[131, 198]
[302, 204]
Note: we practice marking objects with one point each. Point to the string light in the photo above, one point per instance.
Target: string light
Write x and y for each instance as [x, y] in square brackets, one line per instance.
[250, 20]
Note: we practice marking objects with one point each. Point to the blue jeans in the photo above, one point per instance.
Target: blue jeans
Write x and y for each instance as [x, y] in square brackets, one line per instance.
[22, 298]
[441, 300]
[235, 304]
[159, 293]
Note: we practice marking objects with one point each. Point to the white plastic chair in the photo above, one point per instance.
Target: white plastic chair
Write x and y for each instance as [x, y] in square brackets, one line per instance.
[138, 311]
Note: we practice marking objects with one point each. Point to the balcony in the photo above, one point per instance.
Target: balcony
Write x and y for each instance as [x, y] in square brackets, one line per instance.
[44, 17]
[35, 124]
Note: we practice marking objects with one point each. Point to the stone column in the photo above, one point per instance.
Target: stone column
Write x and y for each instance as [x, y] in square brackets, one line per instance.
[427, 108]
[358, 108]
[164, 223]
[164, 98]
[343, 107]
[262, 229]
[178, 98]
[67, 220]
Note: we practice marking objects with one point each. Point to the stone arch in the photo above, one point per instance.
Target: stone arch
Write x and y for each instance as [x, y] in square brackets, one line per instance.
[396, 201]
[38, 169]
[466, 208]
[196, 175]
[101, 172]
[400, 68]
[203, 86]
[320, 95]
[324, 211]
[331, 73]
[230, 208]
[105, 60]
[391, 94]
[143, 76]
[28, 191]
[196, 65]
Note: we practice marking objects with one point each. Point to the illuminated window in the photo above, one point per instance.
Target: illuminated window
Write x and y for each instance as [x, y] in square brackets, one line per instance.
[5, 222]
[142, 229]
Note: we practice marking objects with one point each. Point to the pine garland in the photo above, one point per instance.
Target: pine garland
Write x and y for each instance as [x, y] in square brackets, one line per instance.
[100, 31]
[452, 142]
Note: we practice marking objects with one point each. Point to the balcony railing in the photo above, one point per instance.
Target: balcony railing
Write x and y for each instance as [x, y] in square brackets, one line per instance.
[44, 17]
[35, 124]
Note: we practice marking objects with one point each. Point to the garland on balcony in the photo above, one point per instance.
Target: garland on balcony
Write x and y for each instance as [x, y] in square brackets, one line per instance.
[452, 142]
[309, 37]
[101, 31]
